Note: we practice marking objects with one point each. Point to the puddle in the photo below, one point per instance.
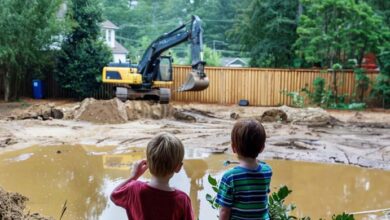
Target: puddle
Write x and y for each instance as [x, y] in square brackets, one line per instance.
[85, 176]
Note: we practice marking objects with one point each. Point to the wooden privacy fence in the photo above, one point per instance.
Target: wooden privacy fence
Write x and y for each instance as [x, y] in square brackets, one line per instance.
[262, 87]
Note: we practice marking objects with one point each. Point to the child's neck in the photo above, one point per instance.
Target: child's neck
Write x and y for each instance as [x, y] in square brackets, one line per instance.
[161, 183]
[247, 162]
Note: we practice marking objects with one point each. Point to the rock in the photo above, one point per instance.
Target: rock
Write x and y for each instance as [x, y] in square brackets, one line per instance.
[274, 115]
[4, 142]
[313, 117]
[183, 116]
[57, 113]
[234, 115]
[40, 112]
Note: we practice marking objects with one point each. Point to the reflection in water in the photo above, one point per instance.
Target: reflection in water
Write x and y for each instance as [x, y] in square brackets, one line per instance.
[85, 177]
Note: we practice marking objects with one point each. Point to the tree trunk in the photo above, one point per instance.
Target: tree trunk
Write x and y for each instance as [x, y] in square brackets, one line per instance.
[335, 85]
[6, 85]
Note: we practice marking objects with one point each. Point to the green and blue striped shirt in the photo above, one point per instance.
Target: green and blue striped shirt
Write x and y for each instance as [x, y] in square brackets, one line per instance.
[246, 192]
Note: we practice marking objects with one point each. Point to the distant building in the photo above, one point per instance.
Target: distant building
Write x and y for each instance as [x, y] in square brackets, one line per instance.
[118, 51]
[233, 62]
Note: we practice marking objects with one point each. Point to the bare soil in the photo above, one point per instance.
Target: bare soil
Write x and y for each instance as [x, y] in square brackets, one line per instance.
[309, 134]
[12, 207]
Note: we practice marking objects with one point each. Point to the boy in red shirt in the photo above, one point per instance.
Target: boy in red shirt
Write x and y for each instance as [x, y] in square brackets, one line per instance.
[155, 199]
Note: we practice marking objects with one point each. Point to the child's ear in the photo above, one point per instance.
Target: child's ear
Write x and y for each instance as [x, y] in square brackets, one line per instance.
[234, 149]
[178, 168]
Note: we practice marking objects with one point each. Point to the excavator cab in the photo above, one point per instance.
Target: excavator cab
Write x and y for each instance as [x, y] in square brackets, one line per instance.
[165, 69]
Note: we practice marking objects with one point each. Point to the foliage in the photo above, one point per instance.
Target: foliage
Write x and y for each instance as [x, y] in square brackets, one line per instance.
[83, 55]
[319, 90]
[267, 29]
[333, 31]
[211, 199]
[362, 82]
[277, 209]
[321, 96]
[343, 216]
[28, 29]
[298, 100]
[212, 57]
[150, 19]
[381, 87]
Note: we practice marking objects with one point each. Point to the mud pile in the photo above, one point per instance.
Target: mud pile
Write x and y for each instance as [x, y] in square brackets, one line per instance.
[274, 115]
[12, 207]
[43, 112]
[309, 116]
[114, 111]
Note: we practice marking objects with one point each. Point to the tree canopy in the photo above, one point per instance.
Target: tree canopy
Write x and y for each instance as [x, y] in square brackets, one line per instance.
[27, 30]
[334, 31]
[83, 55]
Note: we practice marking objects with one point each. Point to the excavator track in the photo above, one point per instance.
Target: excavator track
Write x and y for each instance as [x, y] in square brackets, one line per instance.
[162, 95]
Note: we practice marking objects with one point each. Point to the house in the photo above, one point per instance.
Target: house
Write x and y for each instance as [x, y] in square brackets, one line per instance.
[233, 62]
[118, 51]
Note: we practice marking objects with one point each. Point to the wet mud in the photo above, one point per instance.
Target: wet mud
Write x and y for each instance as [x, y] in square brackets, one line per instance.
[84, 176]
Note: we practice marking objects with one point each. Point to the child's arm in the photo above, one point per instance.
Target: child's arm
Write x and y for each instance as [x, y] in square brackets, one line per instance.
[120, 191]
[224, 213]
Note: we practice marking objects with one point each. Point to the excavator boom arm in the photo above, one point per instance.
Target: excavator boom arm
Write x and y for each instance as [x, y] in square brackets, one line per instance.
[197, 79]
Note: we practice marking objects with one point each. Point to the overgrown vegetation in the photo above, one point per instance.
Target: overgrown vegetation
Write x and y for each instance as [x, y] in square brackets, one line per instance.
[381, 88]
[278, 210]
[27, 30]
[325, 95]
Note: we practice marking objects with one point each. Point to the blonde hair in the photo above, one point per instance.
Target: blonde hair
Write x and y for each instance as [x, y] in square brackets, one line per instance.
[164, 154]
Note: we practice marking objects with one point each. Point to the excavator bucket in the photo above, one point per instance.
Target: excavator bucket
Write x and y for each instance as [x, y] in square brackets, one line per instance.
[194, 82]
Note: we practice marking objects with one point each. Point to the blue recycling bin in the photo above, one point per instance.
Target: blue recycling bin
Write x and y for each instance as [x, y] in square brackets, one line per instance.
[37, 89]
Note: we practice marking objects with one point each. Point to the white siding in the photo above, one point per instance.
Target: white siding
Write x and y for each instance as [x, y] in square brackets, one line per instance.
[119, 58]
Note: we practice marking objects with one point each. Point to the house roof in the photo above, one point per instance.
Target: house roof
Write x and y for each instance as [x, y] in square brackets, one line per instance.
[227, 61]
[109, 25]
[119, 49]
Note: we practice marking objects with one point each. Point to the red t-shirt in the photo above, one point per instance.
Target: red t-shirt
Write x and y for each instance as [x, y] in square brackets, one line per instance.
[143, 202]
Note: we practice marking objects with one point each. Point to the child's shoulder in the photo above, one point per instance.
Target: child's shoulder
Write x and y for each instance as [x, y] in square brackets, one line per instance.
[181, 195]
[264, 166]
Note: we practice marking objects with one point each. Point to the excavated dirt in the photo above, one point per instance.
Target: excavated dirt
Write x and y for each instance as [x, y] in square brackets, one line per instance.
[103, 111]
[309, 134]
[115, 111]
[13, 205]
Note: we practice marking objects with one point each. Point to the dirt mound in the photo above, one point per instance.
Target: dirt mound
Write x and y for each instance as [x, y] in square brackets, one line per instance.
[12, 207]
[44, 112]
[309, 116]
[114, 111]
[144, 109]
[274, 115]
[111, 111]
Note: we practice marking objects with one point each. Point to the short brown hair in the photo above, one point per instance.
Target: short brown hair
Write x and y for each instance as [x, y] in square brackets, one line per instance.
[248, 138]
[164, 153]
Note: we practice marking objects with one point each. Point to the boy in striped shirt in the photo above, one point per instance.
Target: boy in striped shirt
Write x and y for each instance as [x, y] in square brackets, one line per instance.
[243, 191]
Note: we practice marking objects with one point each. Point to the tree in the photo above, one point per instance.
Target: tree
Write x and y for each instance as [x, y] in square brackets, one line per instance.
[268, 30]
[381, 88]
[83, 55]
[28, 29]
[334, 31]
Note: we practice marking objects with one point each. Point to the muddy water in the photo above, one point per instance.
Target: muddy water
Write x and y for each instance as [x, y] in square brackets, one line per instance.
[85, 176]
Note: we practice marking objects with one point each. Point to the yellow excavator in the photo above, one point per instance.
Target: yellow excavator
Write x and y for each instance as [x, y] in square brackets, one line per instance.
[154, 71]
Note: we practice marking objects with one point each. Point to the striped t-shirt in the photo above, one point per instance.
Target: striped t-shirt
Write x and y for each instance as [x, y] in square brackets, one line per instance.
[246, 192]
